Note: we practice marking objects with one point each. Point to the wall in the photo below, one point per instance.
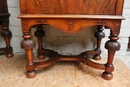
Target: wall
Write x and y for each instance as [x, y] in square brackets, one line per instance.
[62, 42]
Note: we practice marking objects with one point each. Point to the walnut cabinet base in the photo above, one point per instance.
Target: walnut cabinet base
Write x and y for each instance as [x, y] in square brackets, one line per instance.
[112, 45]
[71, 16]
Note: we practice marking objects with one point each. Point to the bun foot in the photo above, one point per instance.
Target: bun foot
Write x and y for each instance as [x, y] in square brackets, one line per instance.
[41, 56]
[97, 57]
[107, 75]
[31, 74]
[9, 55]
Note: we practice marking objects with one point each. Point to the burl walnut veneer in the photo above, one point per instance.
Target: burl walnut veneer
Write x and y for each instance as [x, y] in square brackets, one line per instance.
[6, 33]
[71, 16]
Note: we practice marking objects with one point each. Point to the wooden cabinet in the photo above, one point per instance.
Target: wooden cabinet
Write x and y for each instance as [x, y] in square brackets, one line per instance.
[71, 16]
[87, 7]
[6, 33]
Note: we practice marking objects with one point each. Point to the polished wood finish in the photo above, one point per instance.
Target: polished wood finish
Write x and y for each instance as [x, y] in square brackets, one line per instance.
[71, 16]
[6, 33]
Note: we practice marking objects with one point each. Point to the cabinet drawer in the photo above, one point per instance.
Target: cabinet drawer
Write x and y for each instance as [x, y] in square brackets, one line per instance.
[88, 7]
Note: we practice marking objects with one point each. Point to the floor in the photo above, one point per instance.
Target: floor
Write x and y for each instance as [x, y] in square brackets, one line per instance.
[63, 74]
[125, 58]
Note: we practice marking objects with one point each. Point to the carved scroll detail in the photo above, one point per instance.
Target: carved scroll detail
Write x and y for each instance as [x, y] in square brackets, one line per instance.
[112, 45]
[116, 26]
[41, 21]
[25, 24]
[28, 44]
[100, 22]
[70, 23]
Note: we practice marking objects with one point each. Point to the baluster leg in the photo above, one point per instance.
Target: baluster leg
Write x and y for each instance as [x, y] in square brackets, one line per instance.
[112, 46]
[28, 44]
[6, 33]
[99, 35]
[39, 34]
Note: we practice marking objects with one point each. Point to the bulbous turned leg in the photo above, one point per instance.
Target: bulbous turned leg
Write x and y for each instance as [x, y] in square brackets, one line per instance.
[112, 45]
[39, 34]
[99, 35]
[6, 33]
[28, 45]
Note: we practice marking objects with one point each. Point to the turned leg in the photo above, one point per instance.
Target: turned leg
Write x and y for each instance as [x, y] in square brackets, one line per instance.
[99, 35]
[39, 34]
[28, 45]
[6, 33]
[112, 46]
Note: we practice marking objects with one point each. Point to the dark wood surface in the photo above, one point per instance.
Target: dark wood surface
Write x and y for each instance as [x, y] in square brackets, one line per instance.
[71, 16]
[3, 6]
[6, 33]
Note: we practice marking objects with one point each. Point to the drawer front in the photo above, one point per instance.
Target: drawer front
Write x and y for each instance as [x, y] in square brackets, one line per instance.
[90, 7]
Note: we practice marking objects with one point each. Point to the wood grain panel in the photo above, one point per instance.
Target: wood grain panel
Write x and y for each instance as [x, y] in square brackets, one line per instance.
[96, 7]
